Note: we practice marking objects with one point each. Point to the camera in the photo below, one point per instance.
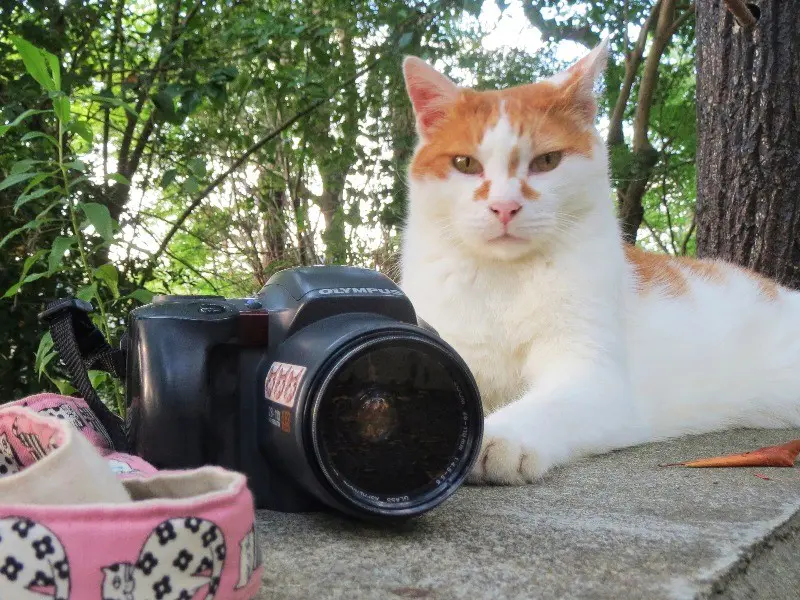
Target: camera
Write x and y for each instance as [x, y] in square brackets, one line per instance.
[325, 389]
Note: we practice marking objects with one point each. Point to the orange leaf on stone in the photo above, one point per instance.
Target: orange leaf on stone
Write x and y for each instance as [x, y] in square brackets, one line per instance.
[769, 456]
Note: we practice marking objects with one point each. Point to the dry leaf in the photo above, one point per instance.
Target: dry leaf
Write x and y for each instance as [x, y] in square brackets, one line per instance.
[769, 456]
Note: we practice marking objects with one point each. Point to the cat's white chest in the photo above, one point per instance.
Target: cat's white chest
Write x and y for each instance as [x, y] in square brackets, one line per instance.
[492, 325]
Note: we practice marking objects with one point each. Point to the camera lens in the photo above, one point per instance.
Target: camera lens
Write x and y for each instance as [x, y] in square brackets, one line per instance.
[392, 422]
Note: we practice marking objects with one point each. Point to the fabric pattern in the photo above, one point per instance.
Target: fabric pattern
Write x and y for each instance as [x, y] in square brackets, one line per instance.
[126, 530]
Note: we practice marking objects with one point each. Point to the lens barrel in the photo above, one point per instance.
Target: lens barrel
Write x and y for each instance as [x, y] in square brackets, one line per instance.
[387, 422]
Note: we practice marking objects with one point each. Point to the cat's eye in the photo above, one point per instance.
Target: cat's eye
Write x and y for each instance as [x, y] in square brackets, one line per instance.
[467, 165]
[546, 162]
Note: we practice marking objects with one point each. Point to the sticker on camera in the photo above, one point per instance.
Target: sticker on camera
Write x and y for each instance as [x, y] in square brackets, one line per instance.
[283, 381]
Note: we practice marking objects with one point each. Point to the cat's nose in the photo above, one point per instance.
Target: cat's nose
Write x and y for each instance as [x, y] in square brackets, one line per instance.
[505, 210]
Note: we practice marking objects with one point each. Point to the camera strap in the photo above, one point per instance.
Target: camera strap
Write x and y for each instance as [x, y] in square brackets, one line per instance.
[82, 347]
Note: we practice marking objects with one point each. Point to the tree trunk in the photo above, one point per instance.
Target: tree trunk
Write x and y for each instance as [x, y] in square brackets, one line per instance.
[748, 131]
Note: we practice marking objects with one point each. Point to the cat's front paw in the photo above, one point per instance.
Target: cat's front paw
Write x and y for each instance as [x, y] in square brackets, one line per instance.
[504, 462]
[506, 459]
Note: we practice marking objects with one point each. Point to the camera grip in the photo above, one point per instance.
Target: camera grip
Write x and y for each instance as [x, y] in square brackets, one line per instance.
[170, 387]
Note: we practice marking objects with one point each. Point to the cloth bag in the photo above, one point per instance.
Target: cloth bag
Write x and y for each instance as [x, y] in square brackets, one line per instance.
[79, 521]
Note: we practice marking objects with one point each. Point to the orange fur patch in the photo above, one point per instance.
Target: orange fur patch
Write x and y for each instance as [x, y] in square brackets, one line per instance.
[766, 286]
[482, 193]
[527, 191]
[708, 270]
[458, 133]
[664, 271]
[541, 112]
[513, 162]
[656, 270]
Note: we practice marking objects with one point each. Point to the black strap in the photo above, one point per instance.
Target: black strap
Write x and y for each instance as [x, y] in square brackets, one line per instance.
[81, 346]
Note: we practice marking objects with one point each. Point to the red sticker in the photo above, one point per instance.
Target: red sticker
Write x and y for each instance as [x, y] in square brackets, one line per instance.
[283, 381]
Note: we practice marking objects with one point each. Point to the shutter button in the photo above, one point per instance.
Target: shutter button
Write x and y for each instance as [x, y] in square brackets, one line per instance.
[211, 309]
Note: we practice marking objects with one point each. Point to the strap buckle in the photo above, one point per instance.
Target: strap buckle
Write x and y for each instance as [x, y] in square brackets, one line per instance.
[54, 309]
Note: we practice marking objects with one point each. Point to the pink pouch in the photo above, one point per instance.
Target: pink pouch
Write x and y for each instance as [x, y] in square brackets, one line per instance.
[164, 535]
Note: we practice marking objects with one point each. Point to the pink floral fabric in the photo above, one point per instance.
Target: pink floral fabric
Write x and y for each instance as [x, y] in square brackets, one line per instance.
[173, 535]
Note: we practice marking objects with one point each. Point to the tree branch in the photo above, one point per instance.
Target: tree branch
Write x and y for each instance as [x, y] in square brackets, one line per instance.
[647, 86]
[685, 16]
[551, 30]
[242, 160]
[741, 13]
[632, 62]
[655, 236]
[685, 243]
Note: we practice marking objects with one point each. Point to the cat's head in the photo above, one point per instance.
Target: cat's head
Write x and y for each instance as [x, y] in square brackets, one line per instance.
[505, 173]
[118, 582]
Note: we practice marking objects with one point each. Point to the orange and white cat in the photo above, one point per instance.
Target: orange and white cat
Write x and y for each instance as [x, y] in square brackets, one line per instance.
[579, 345]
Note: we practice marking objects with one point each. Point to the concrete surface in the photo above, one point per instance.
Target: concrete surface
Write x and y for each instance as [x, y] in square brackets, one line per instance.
[617, 526]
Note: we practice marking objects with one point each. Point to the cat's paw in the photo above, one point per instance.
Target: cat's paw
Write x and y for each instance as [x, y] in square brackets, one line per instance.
[504, 462]
[505, 459]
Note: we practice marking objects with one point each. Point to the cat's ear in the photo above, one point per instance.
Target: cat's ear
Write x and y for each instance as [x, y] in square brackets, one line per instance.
[430, 93]
[579, 80]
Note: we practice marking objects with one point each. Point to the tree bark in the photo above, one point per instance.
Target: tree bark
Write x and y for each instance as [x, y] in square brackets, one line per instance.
[748, 130]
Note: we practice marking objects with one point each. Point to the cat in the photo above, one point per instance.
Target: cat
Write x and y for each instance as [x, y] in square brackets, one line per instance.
[580, 344]
[33, 563]
[179, 557]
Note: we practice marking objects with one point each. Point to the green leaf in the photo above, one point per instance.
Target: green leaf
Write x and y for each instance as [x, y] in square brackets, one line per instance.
[40, 177]
[25, 198]
[55, 68]
[87, 292]
[64, 387]
[83, 129]
[405, 40]
[44, 351]
[16, 178]
[100, 218]
[46, 360]
[77, 165]
[34, 62]
[33, 135]
[23, 166]
[48, 208]
[198, 166]
[15, 232]
[61, 106]
[20, 119]
[168, 178]
[119, 178]
[191, 186]
[30, 261]
[98, 378]
[108, 275]
[228, 73]
[60, 246]
[111, 100]
[142, 295]
[14, 289]
[164, 102]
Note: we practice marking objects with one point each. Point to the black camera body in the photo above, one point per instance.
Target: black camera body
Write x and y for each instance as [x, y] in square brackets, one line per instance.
[325, 390]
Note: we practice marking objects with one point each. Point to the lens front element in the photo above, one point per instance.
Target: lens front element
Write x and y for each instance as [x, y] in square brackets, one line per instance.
[393, 423]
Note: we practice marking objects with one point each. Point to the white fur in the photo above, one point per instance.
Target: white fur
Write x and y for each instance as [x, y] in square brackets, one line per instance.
[570, 359]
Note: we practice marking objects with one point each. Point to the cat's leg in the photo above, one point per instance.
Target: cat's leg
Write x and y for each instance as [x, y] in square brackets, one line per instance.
[573, 411]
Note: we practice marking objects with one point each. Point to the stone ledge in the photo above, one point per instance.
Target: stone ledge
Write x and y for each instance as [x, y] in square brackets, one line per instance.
[616, 526]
